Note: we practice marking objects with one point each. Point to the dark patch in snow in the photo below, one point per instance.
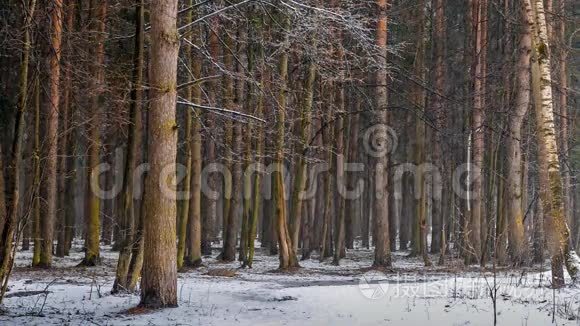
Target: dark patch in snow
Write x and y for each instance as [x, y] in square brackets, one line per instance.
[22, 294]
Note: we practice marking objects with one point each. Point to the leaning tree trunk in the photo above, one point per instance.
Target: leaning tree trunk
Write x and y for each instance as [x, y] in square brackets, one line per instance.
[551, 192]
[159, 280]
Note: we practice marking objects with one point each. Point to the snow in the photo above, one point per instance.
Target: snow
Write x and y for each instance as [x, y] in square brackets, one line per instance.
[317, 294]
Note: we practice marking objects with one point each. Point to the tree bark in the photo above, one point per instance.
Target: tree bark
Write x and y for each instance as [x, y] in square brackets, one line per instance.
[516, 236]
[63, 218]
[439, 116]
[133, 144]
[233, 135]
[194, 253]
[36, 221]
[382, 256]
[287, 254]
[92, 250]
[11, 185]
[210, 204]
[256, 66]
[352, 205]
[551, 192]
[419, 244]
[52, 108]
[159, 280]
[474, 245]
[298, 203]
[564, 116]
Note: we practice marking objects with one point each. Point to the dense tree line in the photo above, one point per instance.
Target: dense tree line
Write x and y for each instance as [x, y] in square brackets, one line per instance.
[177, 130]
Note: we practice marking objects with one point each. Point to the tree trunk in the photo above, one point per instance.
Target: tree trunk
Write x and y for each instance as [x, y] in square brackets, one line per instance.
[328, 185]
[382, 257]
[11, 185]
[233, 136]
[36, 222]
[69, 200]
[159, 280]
[210, 204]
[501, 231]
[92, 250]
[538, 236]
[52, 108]
[340, 151]
[287, 254]
[408, 191]
[551, 192]
[564, 116]
[194, 253]
[419, 243]
[137, 252]
[133, 153]
[367, 208]
[352, 205]
[516, 236]
[473, 247]
[300, 179]
[440, 123]
[256, 66]
[61, 249]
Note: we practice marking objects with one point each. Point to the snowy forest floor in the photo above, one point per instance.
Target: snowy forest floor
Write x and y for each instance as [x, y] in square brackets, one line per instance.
[316, 294]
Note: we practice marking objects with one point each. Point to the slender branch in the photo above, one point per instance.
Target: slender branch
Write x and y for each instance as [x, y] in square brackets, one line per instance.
[210, 15]
[185, 102]
[197, 81]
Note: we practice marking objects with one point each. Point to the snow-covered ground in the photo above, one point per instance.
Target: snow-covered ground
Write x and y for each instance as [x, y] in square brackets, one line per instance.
[317, 294]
